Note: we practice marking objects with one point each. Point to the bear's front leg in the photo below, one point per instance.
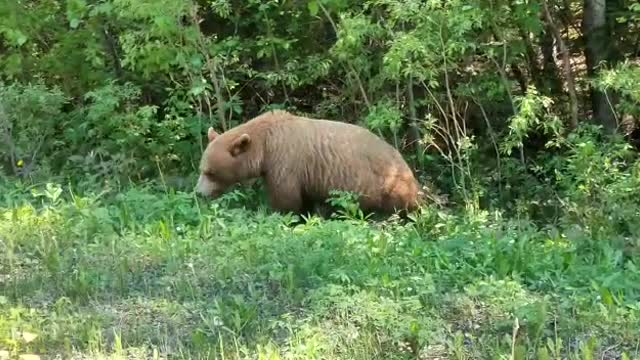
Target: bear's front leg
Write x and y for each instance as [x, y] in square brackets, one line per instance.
[285, 201]
[284, 194]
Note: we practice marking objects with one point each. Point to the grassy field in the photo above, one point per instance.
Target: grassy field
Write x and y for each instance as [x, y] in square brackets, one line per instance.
[145, 273]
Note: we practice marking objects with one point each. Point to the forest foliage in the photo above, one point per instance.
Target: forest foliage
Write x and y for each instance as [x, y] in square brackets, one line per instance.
[116, 86]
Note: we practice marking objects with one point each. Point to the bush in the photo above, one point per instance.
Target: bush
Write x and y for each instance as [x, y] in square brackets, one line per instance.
[29, 118]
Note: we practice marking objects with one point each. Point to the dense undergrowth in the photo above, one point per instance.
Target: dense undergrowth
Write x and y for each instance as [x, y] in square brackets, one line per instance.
[145, 271]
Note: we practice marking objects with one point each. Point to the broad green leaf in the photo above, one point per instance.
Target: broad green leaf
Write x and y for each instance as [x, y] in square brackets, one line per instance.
[74, 23]
[313, 7]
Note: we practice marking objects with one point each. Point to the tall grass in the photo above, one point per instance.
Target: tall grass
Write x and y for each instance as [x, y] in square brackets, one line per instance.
[146, 273]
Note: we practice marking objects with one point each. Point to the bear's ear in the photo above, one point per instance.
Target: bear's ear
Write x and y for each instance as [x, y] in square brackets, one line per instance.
[240, 144]
[212, 134]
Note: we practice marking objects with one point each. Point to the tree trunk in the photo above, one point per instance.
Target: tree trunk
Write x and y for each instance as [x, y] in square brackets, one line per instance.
[598, 49]
[549, 67]
[112, 48]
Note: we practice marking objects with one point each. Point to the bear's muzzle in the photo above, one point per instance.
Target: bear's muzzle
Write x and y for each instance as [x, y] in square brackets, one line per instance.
[208, 188]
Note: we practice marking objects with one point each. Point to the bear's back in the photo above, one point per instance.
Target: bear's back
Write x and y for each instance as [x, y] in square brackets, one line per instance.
[324, 155]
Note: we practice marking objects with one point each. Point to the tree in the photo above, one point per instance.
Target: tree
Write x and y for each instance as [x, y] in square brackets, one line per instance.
[599, 49]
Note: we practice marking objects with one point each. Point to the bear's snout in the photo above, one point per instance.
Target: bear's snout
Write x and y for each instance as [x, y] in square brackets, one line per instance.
[208, 188]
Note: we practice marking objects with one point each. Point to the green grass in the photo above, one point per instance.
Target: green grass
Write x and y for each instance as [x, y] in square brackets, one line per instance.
[144, 274]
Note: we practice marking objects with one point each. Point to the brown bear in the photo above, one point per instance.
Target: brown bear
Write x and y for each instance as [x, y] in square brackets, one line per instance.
[302, 160]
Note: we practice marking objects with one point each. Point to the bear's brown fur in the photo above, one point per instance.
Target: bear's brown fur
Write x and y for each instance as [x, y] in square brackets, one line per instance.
[302, 160]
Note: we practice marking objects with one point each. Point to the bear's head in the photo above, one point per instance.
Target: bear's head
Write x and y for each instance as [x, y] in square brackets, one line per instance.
[229, 158]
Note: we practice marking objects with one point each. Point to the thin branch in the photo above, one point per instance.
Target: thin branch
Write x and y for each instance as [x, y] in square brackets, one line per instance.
[350, 67]
[505, 81]
[459, 132]
[5, 126]
[212, 65]
[112, 47]
[495, 144]
[571, 87]
[413, 123]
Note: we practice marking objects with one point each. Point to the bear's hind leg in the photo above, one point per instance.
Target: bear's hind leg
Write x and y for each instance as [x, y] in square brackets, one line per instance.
[308, 208]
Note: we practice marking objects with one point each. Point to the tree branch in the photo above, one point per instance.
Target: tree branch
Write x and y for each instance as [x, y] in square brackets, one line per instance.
[571, 87]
